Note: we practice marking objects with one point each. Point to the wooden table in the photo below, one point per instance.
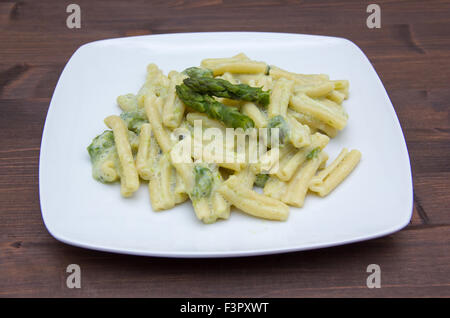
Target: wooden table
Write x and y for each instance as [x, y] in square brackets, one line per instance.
[410, 53]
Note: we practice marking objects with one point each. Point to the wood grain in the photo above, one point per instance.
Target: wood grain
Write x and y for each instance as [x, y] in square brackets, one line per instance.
[410, 53]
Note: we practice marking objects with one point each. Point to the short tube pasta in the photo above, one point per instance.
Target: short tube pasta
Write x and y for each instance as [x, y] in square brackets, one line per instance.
[239, 67]
[289, 164]
[129, 177]
[161, 194]
[304, 104]
[275, 188]
[246, 177]
[173, 109]
[299, 135]
[329, 178]
[315, 90]
[279, 98]
[300, 79]
[253, 111]
[146, 152]
[313, 123]
[297, 187]
[252, 202]
[153, 105]
[211, 62]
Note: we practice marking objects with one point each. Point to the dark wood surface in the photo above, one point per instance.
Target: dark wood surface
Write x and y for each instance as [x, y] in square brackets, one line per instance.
[410, 53]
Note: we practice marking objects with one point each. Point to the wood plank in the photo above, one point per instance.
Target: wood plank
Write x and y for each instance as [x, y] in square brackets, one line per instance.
[403, 257]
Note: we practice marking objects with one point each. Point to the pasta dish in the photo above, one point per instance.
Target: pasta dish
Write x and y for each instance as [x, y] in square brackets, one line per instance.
[216, 133]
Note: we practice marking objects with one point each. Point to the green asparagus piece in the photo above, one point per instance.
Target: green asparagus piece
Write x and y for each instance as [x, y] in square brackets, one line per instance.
[101, 144]
[198, 72]
[230, 116]
[313, 153]
[222, 88]
[261, 179]
[204, 181]
[102, 149]
[282, 125]
[134, 120]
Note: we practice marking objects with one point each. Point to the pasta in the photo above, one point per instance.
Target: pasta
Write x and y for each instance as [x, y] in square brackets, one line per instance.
[173, 109]
[253, 111]
[329, 178]
[252, 202]
[298, 185]
[214, 133]
[129, 178]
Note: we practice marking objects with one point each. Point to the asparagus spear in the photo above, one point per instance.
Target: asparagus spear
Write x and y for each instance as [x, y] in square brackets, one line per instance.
[230, 116]
[222, 88]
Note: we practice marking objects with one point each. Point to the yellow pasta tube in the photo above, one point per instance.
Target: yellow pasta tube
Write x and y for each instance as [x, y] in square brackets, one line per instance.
[127, 102]
[279, 97]
[301, 79]
[329, 178]
[164, 186]
[173, 109]
[315, 90]
[161, 195]
[144, 154]
[342, 86]
[246, 177]
[318, 109]
[313, 123]
[290, 163]
[284, 160]
[129, 180]
[299, 134]
[208, 157]
[152, 109]
[239, 67]
[251, 202]
[206, 121]
[220, 206]
[156, 84]
[179, 190]
[270, 161]
[297, 187]
[107, 171]
[202, 210]
[253, 111]
[336, 96]
[211, 62]
[275, 188]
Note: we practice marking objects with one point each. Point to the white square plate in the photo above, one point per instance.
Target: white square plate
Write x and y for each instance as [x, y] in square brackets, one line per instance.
[375, 200]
